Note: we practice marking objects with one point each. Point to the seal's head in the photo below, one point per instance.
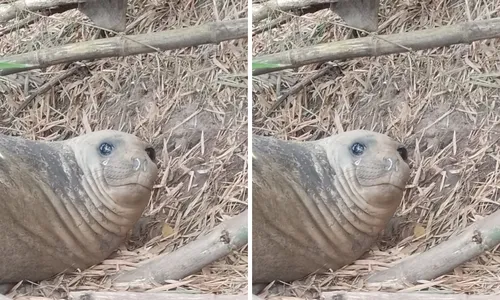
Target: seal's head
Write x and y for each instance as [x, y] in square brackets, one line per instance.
[370, 166]
[117, 166]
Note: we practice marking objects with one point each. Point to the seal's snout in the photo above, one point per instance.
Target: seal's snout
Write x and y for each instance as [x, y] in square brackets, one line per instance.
[376, 159]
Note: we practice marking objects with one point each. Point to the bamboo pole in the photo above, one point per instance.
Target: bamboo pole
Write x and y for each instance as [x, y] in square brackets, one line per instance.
[463, 33]
[9, 11]
[375, 295]
[91, 295]
[261, 11]
[396, 296]
[360, 14]
[230, 235]
[477, 238]
[126, 45]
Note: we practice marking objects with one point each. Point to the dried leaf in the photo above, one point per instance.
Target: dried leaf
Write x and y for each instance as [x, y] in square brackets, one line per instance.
[418, 230]
[166, 230]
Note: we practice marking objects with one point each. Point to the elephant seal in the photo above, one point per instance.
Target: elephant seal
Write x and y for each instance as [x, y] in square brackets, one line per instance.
[68, 205]
[320, 205]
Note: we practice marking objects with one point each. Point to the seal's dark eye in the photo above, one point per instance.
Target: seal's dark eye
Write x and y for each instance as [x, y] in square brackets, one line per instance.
[403, 152]
[357, 148]
[105, 149]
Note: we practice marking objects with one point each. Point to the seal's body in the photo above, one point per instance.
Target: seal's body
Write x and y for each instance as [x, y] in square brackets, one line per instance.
[320, 205]
[68, 205]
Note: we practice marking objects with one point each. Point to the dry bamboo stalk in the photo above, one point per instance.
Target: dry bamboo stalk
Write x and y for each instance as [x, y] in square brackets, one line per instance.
[214, 33]
[397, 296]
[10, 11]
[91, 295]
[230, 235]
[463, 33]
[261, 11]
[474, 240]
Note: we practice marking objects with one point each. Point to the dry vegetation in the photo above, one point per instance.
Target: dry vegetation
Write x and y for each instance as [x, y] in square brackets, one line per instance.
[190, 103]
[442, 103]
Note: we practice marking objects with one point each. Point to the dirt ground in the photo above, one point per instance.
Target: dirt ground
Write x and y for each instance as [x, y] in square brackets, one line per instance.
[442, 103]
[191, 104]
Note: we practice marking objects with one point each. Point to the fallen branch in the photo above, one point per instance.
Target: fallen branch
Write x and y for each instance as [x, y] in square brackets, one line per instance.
[24, 22]
[299, 86]
[44, 88]
[150, 296]
[272, 24]
[126, 45]
[463, 33]
[226, 237]
[477, 238]
[261, 11]
[397, 296]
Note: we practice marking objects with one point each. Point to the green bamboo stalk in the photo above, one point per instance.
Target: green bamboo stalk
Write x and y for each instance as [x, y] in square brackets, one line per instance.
[210, 33]
[464, 33]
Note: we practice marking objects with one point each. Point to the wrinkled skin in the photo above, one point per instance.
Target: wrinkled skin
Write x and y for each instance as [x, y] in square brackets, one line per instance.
[318, 205]
[65, 205]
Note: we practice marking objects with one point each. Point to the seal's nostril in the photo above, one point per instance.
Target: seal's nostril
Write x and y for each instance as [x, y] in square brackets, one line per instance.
[389, 164]
[151, 153]
[136, 164]
[403, 152]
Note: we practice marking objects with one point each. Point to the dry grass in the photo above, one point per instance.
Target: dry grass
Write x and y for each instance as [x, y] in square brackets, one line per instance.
[442, 103]
[190, 103]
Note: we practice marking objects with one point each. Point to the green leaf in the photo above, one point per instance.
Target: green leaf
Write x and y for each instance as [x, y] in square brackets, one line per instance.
[264, 65]
[9, 65]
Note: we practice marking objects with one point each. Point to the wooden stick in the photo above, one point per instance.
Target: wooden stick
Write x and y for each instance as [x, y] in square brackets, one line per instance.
[380, 45]
[477, 238]
[91, 295]
[24, 22]
[397, 296]
[299, 86]
[261, 11]
[10, 11]
[272, 24]
[230, 235]
[124, 45]
[44, 88]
